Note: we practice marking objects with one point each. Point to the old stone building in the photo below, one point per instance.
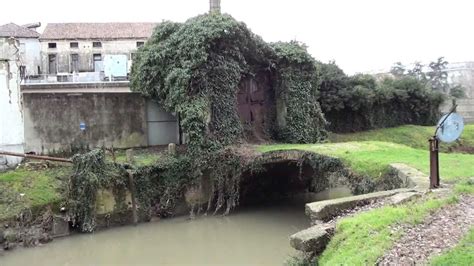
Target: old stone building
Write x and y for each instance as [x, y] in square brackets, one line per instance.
[81, 47]
[29, 46]
[73, 105]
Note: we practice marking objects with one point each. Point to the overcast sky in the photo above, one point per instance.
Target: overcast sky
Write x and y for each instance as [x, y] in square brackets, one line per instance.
[360, 35]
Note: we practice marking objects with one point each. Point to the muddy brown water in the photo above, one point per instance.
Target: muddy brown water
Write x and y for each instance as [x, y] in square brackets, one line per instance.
[251, 236]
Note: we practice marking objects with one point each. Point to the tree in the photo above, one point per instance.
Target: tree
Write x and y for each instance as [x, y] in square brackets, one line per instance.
[438, 76]
[417, 72]
[333, 86]
[398, 69]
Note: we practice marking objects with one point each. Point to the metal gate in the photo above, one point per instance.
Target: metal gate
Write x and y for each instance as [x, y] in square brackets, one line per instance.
[162, 126]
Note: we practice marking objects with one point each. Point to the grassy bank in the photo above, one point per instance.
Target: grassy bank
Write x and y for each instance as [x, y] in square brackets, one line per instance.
[24, 188]
[409, 135]
[373, 157]
[373, 229]
[462, 254]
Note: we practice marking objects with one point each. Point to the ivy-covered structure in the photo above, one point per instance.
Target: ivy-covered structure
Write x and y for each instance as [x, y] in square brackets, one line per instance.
[228, 85]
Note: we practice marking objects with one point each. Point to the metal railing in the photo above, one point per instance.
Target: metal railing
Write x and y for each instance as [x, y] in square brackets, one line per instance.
[80, 77]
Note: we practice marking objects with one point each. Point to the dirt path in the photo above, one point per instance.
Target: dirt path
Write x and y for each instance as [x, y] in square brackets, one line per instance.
[438, 233]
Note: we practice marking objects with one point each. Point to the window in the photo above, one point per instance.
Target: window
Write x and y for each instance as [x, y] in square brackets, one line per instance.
[96, 44]
[52, 45]
[97, 57]
[140, 44]
[74, 45]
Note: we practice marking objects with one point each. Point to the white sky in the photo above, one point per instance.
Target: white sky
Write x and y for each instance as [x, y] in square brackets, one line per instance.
[361, 35]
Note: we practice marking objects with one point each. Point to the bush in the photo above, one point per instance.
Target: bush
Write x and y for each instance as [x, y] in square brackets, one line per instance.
[361, 102]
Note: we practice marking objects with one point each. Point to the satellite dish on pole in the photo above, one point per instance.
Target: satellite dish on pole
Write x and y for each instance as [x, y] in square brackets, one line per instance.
[450, 127]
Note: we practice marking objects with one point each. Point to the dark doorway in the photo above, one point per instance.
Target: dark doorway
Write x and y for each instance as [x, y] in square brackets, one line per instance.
[52, 64]
[74, 63]
[255, 104]
[97, 58]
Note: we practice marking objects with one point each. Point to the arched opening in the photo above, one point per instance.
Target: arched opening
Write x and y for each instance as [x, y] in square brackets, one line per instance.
[278, 181]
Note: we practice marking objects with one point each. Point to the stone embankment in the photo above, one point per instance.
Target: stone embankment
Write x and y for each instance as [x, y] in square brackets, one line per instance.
[323, 214]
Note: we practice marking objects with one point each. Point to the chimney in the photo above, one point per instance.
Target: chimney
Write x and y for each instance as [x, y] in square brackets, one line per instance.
[33, 26]
[215, 6]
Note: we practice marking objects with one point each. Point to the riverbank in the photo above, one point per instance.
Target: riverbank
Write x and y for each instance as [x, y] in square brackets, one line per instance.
[366, 165]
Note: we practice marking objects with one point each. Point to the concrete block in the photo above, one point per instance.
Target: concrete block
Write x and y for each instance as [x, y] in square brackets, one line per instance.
[403, 197]
[313, 239]
[60, 227]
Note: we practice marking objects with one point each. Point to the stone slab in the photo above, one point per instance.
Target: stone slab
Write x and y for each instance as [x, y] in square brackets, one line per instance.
[412, 177]
[313, 239]
[327, 209]
[403, 197]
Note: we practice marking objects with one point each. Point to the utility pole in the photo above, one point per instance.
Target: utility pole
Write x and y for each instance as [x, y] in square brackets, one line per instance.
[215, 6]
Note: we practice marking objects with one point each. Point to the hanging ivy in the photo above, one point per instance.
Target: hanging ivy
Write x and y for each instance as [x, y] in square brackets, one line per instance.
[195, 68]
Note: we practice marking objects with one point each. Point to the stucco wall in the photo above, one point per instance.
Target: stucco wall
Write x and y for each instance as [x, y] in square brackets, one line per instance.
[85, 52]
[11, 120]
[30, 55]
[52, 121]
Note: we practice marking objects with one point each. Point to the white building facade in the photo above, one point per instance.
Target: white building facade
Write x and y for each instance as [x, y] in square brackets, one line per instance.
[11, 119]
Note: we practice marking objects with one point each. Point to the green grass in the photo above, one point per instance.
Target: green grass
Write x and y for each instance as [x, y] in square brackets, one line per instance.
[362, 239]
[410, 135]
[373, 157]
[142, 157]
[22, 188]
[462, 254]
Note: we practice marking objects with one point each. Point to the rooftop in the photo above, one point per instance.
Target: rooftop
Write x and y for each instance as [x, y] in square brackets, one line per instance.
[76, 31]
[13, 30]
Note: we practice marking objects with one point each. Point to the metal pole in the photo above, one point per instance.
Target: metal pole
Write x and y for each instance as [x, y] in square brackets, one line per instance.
[434, 162]
[30, 156]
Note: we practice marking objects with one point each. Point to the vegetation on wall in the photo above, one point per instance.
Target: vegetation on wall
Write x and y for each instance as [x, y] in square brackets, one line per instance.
[195, 68]
[92, 173]
[296, 87]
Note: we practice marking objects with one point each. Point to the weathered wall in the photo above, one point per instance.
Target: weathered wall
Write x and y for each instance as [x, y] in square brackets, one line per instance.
[52, 121]
[462, 74]
[30, 55]
[11, 120]
[85, 52]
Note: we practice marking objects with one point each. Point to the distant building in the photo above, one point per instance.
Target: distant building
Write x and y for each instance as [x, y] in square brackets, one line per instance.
[29, 49]
[77, 103]
[82, 47]
[11, 119]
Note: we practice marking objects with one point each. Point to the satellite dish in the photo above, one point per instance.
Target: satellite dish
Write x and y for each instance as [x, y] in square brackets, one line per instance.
[450, 127]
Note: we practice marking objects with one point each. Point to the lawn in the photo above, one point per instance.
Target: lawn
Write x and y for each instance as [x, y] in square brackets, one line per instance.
[141, 157]
[373, 157]
[373, 229]
[23, 188]
[462, 254]
[410, 135]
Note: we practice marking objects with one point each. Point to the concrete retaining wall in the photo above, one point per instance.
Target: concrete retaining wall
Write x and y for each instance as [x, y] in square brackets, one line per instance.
[52, 121]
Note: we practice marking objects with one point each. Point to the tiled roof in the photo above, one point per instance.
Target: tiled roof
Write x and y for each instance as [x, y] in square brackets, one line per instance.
[74, 31]
[13, 30]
